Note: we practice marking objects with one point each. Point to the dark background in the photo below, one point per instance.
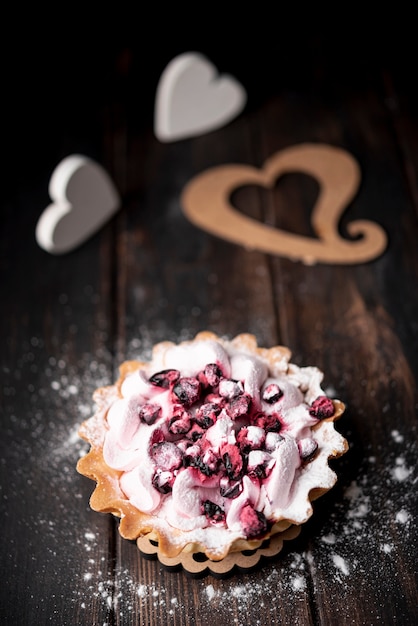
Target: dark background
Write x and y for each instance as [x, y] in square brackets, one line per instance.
[57, 73]
[74, 82]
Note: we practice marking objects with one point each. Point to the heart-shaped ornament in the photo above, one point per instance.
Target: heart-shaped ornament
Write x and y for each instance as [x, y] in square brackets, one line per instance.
[84, 199]
[206, 201]
[192, 98]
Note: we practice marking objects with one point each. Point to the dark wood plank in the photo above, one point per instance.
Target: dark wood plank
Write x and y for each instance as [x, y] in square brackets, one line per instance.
[53, 320]
[150, 275]
[311, 309]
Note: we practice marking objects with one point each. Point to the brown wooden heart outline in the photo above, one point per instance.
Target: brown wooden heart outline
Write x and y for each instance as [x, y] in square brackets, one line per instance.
[206, 203]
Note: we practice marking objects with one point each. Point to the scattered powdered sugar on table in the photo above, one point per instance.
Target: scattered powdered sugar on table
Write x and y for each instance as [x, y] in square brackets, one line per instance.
[340, 563]
[365, 522]
[361, 534]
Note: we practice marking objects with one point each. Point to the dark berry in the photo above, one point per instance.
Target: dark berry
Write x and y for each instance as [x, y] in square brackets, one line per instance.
[206, 414]
[210, 376]
[165, 378]
[209, 462]
[191, 457]
[166, 455]
[259, 464]
[322, 408]
[272, 393]
[273, 440]
[195, 433]
[251, 438]
[149, 413]
[213, 374]
[213, 512]
[229, 388]
[229, 488]
[254, 523]
[187, 390]
[238, 407]
[163, 481]
[181, 421]
[232, 460]
[269, 422]
[157, 436]
[307, 448]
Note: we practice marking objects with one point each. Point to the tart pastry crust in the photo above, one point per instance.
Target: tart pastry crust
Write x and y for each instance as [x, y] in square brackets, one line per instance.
[289, 438]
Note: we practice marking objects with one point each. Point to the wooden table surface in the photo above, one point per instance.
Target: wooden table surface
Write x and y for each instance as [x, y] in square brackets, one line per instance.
[149, 274]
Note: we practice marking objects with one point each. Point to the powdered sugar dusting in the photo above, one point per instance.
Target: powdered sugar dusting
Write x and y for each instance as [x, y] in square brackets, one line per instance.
[401, 472]
[365, 522]
[356, 535]
[340, 564]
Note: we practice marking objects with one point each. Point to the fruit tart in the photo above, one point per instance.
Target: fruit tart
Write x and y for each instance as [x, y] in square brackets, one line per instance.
[212, 446]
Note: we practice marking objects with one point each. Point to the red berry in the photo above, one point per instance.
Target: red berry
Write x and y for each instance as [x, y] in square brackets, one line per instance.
[206, 414]
[259, 464]
[163, 481]
[269, 422]
[213, 374]
[195, 433]
[322, 408]
[209, 462]
[232, 460]
[254, 523]
[214, 513]
[149, 413]
[307, 448]
[191, 456]
[251, 438]
[181, 421]
[166, 455]
[165, 378]
[187, 390]
[229, 388]
[229, 488]
[272, 393]
[239, 406]
[157, 436]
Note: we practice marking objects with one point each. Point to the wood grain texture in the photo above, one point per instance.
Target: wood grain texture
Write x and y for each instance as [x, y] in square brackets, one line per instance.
[67, 323]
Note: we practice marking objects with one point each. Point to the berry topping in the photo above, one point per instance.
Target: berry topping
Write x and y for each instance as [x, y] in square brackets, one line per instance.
[229, 488]
[270, 423]
[149, 413]
[229, 444]
[251, 438]
[196, 432]
[165, 378]
[187, 390]
[232, 460]
[166, 455]
[209, 462]
[307, 448]
[214, 513]
[157, 436]
[259, 464]
[212, 374]
[163, 481]
[322, 408]
[206, 414]
[272, 393]
[191, 457]
[273, 440]
[253, 522]
[181, 422]
[238, 406]
[229, 388]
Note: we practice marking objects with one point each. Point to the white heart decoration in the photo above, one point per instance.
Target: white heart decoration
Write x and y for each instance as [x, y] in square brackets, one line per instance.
[84, 198]
[192, 98]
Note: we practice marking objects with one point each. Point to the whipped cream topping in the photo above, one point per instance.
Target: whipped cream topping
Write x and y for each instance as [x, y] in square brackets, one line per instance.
[213, 437]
